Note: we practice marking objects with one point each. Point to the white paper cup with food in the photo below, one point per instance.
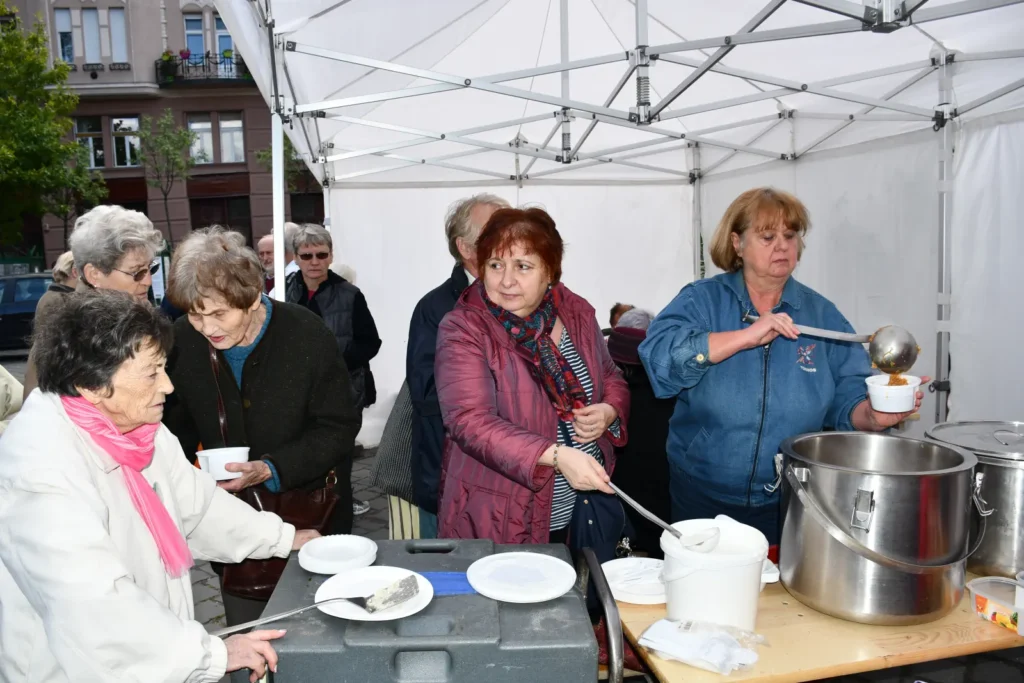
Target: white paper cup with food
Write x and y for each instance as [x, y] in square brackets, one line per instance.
[892, 399]
[213, 460]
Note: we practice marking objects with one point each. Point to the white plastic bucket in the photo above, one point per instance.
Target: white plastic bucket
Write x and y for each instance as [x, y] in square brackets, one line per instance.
[886, 399]
[719, 587]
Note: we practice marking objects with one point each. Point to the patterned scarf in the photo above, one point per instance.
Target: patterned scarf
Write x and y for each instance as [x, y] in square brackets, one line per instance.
[532, 337]
[133, 452]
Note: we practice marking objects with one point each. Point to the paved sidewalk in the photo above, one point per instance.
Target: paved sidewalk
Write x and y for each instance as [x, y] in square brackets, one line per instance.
[373, 524]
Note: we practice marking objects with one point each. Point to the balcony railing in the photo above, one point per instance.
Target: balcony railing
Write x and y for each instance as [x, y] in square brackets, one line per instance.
[201, 69]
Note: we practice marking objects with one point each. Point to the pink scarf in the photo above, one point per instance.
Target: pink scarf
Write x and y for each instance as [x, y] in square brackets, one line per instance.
[133, 452]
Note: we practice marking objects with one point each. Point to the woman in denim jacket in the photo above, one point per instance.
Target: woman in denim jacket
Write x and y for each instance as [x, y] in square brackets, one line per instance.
[742, 389]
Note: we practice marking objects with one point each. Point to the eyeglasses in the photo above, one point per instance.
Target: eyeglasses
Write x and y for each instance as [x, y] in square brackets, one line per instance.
[320, 255]
[140, 274]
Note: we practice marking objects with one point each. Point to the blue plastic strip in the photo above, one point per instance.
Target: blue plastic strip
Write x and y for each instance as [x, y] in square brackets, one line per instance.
[449, 583]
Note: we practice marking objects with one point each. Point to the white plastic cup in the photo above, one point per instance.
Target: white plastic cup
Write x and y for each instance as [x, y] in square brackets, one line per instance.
[718, 587]
[886, 399]
[1018, 598]
[213, 460]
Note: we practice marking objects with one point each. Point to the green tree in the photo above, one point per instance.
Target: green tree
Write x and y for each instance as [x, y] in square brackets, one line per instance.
[81, 189]
[35, 110]
[297, 177]
[165, 153]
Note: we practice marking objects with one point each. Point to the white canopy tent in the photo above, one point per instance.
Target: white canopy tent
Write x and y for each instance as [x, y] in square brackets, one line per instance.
[636, 122]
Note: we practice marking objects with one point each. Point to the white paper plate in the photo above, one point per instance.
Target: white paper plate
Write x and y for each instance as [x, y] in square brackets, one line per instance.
[363, 582]
[648, 591]
[521, 577]
[337, 553]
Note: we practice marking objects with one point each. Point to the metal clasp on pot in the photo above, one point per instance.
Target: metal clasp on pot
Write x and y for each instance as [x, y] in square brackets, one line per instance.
[863, 508]
[983, 509]
[774, 486]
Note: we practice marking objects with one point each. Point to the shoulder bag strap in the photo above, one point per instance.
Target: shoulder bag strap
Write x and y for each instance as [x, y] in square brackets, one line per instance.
[222, 417]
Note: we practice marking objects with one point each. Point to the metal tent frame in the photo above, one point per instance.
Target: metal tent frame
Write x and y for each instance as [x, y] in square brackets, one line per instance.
[646, 116]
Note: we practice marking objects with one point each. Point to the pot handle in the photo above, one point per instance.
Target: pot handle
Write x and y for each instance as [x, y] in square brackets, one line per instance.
[834, 530]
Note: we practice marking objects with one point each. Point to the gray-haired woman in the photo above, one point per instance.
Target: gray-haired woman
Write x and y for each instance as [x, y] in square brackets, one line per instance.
[113, 248]
[257, 373]
[96, 503]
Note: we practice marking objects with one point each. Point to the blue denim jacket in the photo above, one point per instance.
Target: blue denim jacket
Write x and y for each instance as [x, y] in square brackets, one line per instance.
[731, 417]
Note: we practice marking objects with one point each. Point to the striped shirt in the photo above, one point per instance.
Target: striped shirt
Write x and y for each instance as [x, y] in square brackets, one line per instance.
[564, 499]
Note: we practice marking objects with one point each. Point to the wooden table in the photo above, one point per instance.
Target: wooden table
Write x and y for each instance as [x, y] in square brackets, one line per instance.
[805, 645]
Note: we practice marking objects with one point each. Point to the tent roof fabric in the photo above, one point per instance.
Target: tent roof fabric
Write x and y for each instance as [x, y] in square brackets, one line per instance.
[803, 79]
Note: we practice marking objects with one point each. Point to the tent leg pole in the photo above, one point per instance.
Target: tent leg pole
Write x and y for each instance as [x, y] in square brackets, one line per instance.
[277, 176]
[696, 181]
[563, 16]
[276, 162]
[945, 185]
[327, 209]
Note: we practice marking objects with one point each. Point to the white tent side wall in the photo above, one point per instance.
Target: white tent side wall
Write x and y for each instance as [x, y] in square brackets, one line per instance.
[987, 326]
[873, 245]
[628, 243]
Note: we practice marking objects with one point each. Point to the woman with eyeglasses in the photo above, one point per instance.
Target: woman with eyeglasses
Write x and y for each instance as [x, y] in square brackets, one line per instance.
[341, 305]
[114, 248]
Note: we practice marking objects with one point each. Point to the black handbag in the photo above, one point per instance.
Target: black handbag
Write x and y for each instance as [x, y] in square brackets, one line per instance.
[256, 579]
[599, 521]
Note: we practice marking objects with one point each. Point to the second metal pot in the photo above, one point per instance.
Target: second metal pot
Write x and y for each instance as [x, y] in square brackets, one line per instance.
[875, 527]
[999, 447]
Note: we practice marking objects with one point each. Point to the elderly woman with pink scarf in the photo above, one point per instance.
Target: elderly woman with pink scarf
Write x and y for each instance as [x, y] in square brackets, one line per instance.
[101, 515]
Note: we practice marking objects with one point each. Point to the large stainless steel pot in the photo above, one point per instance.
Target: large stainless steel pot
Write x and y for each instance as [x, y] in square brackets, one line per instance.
[999, 447]
[875, 528]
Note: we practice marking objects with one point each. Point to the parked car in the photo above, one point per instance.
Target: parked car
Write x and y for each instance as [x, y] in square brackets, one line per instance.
[19, 295]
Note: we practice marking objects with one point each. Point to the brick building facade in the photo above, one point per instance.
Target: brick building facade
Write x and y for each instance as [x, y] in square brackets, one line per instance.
[135, 58]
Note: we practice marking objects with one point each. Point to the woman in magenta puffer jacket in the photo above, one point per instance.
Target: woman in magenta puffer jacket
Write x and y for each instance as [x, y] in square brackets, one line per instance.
[531, 400]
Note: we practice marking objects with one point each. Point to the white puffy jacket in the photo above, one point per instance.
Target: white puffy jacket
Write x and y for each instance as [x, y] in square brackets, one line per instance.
[83, 593]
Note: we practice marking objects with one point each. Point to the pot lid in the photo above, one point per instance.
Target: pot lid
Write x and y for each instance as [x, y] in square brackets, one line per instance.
[992, 438]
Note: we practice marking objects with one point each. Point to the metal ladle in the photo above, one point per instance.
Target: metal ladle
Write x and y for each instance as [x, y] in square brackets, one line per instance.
[892, 349]
[703, 541]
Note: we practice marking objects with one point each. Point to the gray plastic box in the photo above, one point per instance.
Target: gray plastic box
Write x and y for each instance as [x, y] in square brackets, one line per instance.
[455, 639]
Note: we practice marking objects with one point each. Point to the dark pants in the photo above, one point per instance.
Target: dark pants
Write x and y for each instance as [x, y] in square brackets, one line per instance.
[594, 609]
[238, 611]
[341, 522]
[689, 501]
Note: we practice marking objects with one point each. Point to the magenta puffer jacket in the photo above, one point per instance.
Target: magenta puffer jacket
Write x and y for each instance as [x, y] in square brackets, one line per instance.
[499, 421]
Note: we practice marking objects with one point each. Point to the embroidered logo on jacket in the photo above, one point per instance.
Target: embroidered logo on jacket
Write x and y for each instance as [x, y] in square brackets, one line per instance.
[804, 358]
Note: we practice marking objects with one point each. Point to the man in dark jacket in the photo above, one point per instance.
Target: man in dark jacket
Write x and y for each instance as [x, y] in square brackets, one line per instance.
[342, 307]
[463, 224]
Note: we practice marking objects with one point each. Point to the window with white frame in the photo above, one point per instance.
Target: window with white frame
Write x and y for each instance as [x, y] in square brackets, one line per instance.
[118, 36]
[65, 41]
[202, 146]
[91, 31]
[224, 42]
[89, 134]
[195, 43]
[225, 48]
[124, 131]
[232, 138]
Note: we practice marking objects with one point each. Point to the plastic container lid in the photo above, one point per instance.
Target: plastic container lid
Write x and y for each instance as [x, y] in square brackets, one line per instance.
[994, 588]
[739, 544]
[992, 438]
